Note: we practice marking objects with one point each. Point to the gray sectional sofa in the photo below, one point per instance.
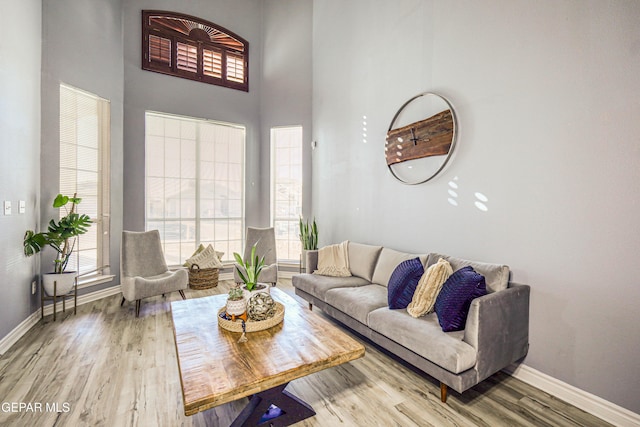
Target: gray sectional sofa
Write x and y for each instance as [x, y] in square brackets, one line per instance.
[496, 332]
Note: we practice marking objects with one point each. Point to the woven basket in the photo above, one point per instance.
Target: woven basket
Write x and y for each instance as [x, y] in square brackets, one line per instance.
[202, 278]
[251, 325]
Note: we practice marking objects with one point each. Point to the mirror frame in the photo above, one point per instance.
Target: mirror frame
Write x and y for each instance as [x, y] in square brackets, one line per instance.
[453, 137]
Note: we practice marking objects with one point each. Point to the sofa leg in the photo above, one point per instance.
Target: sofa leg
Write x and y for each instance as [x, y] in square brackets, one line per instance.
[122, 302]
[182, 294]
[310, 306]
[137, 308]
[443, 392]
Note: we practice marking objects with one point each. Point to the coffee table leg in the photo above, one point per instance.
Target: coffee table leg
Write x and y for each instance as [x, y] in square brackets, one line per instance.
[274, 407]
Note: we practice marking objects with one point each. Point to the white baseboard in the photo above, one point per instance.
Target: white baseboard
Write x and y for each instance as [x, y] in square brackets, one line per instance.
[12, 337]
[588, 402]
[281, 273]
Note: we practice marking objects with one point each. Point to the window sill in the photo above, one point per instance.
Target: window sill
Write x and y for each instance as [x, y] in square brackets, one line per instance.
[94, 281]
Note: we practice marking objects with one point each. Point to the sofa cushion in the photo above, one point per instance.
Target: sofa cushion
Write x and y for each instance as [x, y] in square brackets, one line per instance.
[333, 260]
[403, 282]
[496, 275]
[388, 261]
[318, 285]
[357, 302]
[452, 304]
[424, 337]
[429, 286]
[362, 259]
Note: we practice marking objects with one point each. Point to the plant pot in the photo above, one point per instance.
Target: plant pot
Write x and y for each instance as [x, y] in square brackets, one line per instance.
[64, 282]
[236, 307]
[260, 287]
[303, 261]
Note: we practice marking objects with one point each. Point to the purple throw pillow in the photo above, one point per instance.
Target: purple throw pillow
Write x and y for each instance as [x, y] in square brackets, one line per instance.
[403, 282]
[454, 300]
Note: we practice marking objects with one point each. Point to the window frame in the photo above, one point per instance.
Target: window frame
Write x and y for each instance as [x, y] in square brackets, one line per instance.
[198, 219]
[201, 40]
[292, 221]
[102, 220]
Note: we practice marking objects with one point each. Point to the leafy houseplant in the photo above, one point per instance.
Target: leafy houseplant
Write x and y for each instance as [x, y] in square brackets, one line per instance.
[61, 235]
[308, 235]
[252, 267]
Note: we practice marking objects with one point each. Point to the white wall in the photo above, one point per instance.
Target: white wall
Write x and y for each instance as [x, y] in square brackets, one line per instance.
[547, 99]
[149, 91]
[20, 160]
[285, 99]
[82, 46]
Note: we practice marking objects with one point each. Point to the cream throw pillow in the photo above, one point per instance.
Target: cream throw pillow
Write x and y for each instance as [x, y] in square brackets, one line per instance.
[333, 260]
[428, 288]
[206, 258]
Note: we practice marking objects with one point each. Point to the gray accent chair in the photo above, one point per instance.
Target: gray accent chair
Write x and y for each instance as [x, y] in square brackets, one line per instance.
[266, 239]
[143, 269]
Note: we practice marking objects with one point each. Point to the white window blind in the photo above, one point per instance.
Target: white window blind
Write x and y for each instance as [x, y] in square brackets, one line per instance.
[194, 184]
[286, 194]
[84, 169]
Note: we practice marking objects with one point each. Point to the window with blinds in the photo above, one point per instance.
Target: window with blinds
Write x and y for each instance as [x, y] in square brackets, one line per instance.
[84, 170]
[286, 190]
[194, 184]
[189, 47]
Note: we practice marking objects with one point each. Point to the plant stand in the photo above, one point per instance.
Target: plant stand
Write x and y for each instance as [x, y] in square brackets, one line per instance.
[72, 294]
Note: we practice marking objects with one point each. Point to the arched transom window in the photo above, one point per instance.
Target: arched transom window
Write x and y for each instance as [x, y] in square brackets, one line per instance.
[192, 48]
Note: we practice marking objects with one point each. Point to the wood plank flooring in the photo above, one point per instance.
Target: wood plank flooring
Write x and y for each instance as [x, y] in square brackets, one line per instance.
[105, 367]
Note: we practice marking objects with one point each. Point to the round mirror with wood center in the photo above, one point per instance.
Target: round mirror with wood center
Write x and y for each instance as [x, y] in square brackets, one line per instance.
[421, 138]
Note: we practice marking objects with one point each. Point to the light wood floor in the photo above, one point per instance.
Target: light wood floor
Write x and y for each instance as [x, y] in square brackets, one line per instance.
[105, 367]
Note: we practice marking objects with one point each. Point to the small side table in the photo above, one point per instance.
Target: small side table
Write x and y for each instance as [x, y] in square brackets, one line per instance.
[72, 294]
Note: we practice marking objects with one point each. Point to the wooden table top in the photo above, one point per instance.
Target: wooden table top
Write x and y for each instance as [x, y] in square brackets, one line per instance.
[216, 369]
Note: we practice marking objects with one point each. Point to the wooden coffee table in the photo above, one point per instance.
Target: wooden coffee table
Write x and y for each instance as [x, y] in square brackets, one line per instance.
[215, 369]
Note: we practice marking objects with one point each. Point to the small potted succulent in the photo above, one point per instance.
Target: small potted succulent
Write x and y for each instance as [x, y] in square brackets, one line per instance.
[61, 235]
[236, 303]
[249, 272]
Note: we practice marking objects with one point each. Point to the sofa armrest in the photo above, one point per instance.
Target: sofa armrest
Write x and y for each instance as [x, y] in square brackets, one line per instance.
[312, 261]
[498, 328]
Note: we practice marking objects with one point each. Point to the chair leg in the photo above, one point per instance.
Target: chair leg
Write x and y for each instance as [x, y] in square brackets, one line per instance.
[122, 302]
[137, 308]
[443, 392]
[182, 294]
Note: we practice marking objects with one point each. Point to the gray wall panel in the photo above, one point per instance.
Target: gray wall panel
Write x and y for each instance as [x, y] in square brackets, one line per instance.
[547, 100]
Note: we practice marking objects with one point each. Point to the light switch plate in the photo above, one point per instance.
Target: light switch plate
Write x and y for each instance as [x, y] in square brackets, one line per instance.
[7, 207]
[22, 206]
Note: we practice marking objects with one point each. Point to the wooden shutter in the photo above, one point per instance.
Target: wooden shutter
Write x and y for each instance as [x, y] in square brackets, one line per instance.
[235, 68]
[187, 57]
[212, 63]
[159, 49]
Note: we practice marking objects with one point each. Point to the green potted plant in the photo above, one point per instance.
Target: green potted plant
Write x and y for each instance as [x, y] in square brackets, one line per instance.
[308, 239]
[61, 236]
[252, 268]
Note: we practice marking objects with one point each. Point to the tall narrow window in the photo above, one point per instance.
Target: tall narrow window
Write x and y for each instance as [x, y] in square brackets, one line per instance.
[286, 194]
[194, 184]
[84, 169]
